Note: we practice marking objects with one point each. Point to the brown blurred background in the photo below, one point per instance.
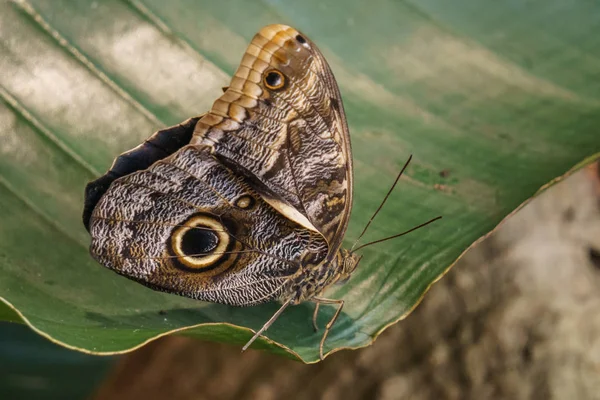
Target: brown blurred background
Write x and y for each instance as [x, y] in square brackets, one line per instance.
[517, 318]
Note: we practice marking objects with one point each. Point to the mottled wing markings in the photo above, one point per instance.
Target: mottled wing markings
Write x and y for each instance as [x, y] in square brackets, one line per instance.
[314, 85]
[132, 224]
[306, 157]
[158, 146]
[144, 222]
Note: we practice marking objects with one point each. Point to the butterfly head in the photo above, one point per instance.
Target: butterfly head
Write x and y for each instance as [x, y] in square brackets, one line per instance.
[348, 263]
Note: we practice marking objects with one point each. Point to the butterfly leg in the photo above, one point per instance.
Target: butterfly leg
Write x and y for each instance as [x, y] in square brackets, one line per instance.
[315, 316]
[267, 324]
[340, 304]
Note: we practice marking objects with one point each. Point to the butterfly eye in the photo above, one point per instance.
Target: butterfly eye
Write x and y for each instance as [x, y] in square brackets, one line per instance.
[274, 80]
[245, 202]
[199, 243]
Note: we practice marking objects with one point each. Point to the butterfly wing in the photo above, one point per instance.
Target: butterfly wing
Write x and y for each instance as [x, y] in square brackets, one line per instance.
[158, 146]
[281, 122]
[191, 226]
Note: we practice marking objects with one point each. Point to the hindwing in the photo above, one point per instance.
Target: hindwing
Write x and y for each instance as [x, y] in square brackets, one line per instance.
[190, 225]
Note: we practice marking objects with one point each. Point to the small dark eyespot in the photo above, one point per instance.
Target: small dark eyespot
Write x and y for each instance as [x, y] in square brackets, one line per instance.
[245, 202]
[300, 39]
[274, 80]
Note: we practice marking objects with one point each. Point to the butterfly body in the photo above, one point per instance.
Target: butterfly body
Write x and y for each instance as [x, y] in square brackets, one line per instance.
[245, 204]
[312, 281]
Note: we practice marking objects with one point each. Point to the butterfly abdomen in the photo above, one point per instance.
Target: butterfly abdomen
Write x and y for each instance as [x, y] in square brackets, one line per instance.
[315, 278]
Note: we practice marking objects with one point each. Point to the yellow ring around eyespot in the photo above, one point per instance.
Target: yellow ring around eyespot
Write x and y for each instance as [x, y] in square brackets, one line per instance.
[201, 261]
[281, 77]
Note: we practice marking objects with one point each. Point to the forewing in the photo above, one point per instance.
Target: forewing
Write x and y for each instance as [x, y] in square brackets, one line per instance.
[189, 225]
[288, 135]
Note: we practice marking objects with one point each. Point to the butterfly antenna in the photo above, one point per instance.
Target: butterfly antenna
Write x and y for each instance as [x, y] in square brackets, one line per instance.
[399, 234]
[382, 203]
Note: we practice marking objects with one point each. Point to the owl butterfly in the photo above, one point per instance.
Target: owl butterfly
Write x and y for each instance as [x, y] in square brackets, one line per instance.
[245, 204]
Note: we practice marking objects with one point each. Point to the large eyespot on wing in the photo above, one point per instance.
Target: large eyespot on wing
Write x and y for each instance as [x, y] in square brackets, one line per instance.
[281, 122]
[202, 244]
[189, 225]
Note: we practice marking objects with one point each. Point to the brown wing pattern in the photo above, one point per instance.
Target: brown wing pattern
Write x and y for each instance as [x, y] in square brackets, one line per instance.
[191, 226]
[281, 123]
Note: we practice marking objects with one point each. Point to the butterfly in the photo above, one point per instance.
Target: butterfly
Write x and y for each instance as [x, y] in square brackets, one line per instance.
[246, 204]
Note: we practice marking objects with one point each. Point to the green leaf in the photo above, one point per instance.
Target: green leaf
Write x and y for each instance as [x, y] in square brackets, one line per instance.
[494, 99]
